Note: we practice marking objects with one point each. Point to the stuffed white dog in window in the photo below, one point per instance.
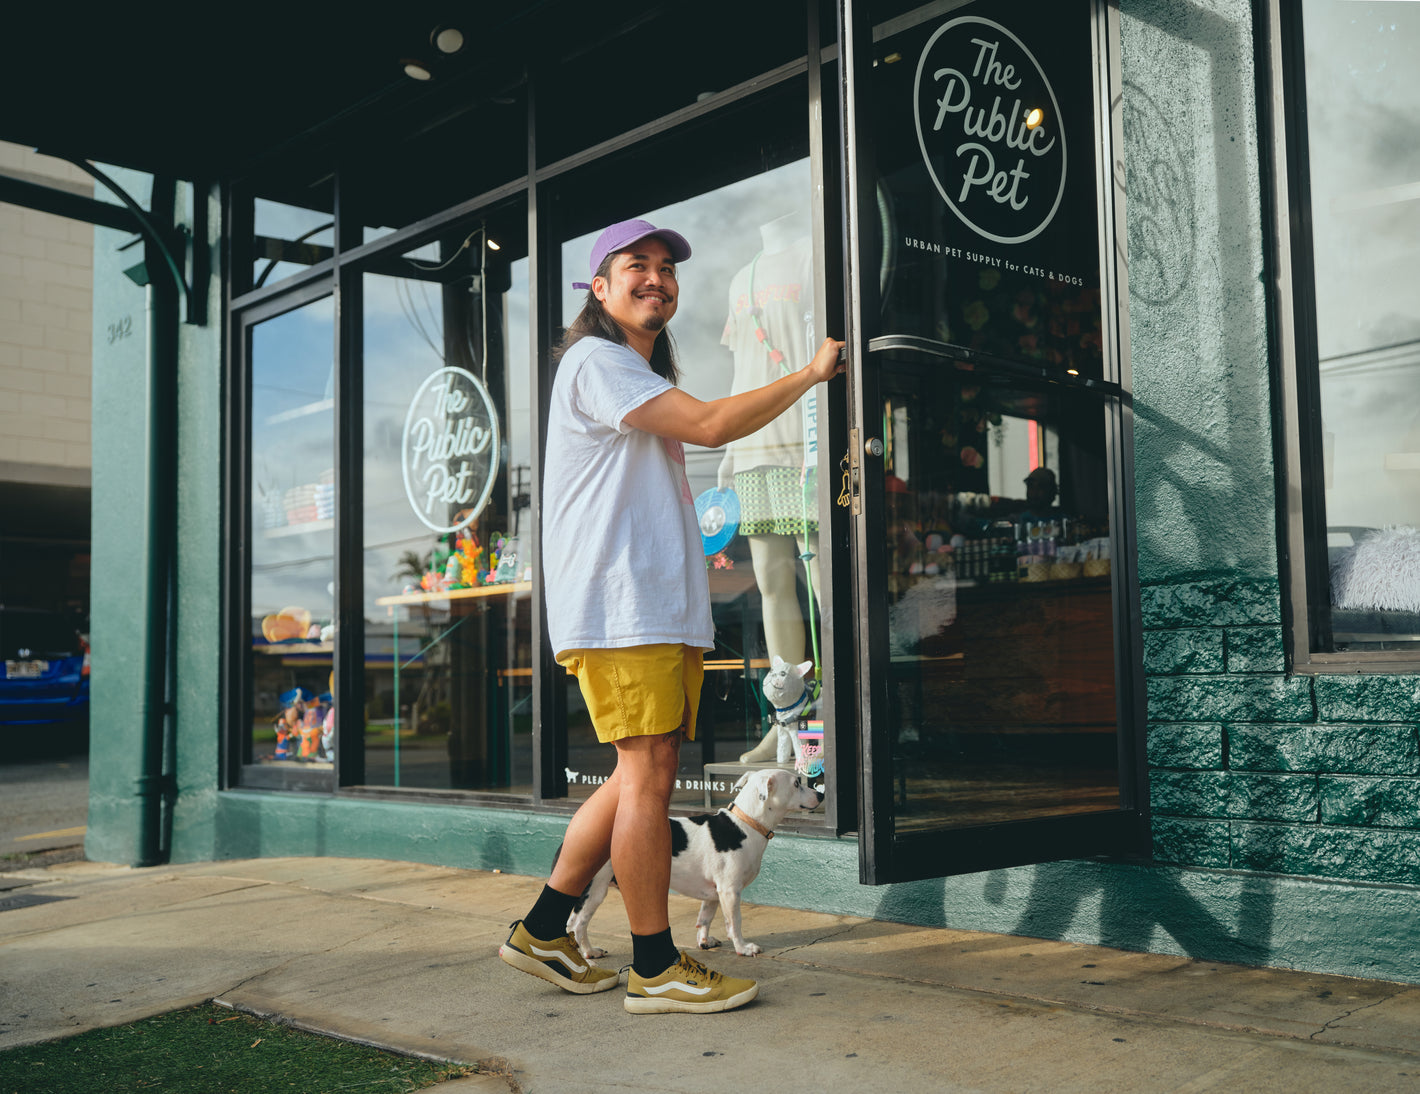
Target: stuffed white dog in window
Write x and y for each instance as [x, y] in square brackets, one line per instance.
[786, 691]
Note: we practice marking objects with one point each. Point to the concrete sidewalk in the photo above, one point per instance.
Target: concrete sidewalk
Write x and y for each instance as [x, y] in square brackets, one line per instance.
[405, 956]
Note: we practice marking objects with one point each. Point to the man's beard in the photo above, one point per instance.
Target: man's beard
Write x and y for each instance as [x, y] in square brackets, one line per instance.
[654, 323]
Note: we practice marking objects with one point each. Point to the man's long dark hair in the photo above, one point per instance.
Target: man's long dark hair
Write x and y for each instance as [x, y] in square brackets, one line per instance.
[593, 321]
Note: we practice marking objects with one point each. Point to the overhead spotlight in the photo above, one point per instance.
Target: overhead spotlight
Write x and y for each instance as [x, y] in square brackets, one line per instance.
[447, 39]
[493, 245]
[415, 70]
[1034, 117]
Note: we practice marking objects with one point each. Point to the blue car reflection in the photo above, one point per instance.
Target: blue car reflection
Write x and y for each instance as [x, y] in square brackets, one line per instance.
[46, 669]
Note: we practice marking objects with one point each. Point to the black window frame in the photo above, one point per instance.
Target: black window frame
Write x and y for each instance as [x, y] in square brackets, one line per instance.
[1297, 429]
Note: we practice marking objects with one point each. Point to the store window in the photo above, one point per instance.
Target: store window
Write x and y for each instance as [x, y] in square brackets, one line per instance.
[1354, 367]
[745, 317]
[289, 238]
[449, 543]
[292, 547]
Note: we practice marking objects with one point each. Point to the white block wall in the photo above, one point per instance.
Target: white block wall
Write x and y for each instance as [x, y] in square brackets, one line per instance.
[46, 317]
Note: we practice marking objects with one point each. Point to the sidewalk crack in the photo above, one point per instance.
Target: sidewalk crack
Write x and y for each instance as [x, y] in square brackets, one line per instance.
[1354, 1010]
[827, 936]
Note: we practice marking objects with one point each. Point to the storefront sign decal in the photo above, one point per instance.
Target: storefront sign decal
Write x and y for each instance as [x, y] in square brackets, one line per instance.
[988, 125]
[451, 449]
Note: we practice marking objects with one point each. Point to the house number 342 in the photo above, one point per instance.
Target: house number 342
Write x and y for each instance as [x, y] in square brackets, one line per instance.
[120, 330]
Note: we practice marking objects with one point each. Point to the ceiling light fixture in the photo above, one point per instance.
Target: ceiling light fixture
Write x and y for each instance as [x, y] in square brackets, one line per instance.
[447, 40]
[1034, 118]
[416, 70]
[493, 245]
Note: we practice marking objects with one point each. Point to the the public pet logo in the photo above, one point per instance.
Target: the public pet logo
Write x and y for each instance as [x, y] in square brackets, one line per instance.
[988, 124]
[450, 450]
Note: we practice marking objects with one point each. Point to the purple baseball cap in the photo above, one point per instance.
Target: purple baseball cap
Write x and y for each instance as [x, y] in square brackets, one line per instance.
[624, 233]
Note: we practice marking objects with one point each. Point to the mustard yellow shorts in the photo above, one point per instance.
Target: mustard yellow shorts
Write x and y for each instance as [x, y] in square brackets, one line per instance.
[639, 691]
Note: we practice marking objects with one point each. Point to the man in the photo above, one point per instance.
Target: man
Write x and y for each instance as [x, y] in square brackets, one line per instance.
[1041, 491]
[628, 603]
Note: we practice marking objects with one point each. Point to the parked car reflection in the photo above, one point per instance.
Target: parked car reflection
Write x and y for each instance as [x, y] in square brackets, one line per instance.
[46, 676]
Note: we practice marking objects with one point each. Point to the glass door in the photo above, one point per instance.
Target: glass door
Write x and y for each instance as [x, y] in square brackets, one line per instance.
[288, 739]
[988, 452]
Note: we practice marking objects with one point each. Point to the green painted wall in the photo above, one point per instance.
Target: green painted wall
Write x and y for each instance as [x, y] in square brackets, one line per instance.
[196, 761]
[1250, 769]
[120, 543]
[119, 536]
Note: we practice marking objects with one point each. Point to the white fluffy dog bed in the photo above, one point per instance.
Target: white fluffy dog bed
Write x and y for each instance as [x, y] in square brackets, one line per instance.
[1382, 572]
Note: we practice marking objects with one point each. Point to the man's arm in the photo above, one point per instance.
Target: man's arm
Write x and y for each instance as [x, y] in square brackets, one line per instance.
[682, 417]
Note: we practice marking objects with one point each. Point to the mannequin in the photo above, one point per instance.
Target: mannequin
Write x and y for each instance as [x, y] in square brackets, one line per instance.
[774, 294]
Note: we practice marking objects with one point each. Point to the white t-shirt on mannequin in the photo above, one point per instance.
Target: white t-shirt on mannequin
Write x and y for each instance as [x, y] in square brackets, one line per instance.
[622, 558]
[777, 288]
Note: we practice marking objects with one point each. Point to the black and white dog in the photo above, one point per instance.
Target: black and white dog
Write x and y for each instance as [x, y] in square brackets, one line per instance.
[715, 855]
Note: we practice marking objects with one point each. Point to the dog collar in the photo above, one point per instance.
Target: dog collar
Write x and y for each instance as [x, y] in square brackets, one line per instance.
[763, 831]
[793, 708]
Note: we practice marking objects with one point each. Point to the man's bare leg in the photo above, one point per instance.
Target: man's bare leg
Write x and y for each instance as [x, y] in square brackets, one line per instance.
[587, 843]
[641, 833]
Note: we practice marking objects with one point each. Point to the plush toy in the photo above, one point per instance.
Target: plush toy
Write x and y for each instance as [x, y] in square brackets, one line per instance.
[289, 721]
[288, 730]
[469, 554]
[327, 737]
[786, 691]
[292, 624]
[505, 568]
[309, 732]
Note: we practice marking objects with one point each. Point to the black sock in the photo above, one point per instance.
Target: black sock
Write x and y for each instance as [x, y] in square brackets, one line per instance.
[548, 918]
[653, 954]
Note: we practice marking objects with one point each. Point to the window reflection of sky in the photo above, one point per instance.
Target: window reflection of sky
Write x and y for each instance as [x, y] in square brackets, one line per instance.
[274, 220]
[1362, 74]
[292, 444]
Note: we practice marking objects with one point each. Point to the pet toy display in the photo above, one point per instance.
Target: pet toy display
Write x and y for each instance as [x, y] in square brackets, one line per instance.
[305, 727]
[467, 564]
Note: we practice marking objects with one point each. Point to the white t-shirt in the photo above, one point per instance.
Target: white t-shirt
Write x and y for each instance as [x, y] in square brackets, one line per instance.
[622, 558]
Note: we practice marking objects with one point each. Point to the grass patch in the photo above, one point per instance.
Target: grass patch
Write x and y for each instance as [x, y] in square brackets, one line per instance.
[208, 1049]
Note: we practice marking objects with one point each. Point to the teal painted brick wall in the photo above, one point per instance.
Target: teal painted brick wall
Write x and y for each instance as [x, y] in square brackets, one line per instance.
[1255, 649]
[1191, 650]
[1352, 750]
[1186, 746]
[1251, 769]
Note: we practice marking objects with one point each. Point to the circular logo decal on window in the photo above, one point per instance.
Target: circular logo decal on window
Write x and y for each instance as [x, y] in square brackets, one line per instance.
[450, 450]
[989, 127]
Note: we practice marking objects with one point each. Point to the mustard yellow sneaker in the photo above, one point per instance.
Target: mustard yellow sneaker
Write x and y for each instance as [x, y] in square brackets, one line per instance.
[687, 986]
[558, 962]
